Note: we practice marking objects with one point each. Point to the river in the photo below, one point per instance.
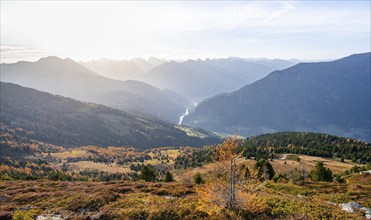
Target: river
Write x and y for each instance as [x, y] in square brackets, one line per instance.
[182, 116]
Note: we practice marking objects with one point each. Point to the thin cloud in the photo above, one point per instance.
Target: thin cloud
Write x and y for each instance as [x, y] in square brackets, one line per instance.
[88, 30]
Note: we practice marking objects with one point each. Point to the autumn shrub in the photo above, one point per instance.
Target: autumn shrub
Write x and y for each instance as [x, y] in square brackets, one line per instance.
[305, 209]
[25, 215]
[289, 188]
[339, 178]
[6, 177]
[280, 177]
[138, 214]
[123, 189]
[165, 214]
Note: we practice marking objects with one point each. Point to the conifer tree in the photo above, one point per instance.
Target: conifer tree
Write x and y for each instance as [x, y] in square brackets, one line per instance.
[168, 177]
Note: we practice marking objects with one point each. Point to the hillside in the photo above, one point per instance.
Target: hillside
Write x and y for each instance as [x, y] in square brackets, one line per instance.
[307, 143]
[68, 78]
[42, 180]
[327, 97]
[141, 200]
[92, 181]
[67, 122]
[275, 145]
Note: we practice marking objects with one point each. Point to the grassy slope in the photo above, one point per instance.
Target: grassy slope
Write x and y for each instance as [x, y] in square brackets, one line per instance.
[306, 163]
[130, 200]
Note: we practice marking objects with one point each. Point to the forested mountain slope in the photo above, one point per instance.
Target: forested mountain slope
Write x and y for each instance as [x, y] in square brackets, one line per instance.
[67, 122]
[328, 97]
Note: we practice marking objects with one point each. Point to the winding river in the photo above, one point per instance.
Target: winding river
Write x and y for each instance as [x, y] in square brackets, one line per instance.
[182, 116]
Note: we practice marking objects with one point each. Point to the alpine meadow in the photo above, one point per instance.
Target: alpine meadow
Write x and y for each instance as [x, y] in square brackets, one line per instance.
[180, 110]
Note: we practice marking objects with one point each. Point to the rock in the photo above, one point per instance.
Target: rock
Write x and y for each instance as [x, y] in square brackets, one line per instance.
[95, 216]
[28, 207]
[169, 197]
[350, 206]
[49, 217]
[330, 203]
[367, 212]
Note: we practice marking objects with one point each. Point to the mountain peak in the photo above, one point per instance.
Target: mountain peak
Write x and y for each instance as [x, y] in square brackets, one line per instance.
[50, 59]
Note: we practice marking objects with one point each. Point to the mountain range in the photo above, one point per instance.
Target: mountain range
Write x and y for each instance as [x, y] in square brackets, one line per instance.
[68, 78]
[67, 122]
[331, 97]
[194, 79]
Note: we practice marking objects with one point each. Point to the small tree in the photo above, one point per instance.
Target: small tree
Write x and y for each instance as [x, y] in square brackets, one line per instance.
[264, 169]
[198, 179]
[148, 173]
[321, 173]
[227, 154]
[232, 186]
[245, 172]
[297, 176]
[168, 177]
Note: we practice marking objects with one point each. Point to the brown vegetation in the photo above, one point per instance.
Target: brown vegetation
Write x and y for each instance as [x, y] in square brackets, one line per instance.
[141, 200]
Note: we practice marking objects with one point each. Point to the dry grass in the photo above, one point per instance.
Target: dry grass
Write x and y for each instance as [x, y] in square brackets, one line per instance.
[171, 152]
[89, 165]
[279, 166]
[307, 163]
[70, 154]
[188, 174]
[152, 162]
[79, 200]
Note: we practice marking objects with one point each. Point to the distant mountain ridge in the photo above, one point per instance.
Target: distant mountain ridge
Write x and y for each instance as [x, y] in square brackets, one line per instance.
[68, 78]
[122, 69]
[200, 79]
[63, 121]
[194, 79]
[328, 97]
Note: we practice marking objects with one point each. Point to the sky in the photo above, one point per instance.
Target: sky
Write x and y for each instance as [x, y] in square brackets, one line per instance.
[83, 30]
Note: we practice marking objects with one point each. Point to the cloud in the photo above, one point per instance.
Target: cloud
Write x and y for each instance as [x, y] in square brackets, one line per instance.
[88, 30]
[11, 53]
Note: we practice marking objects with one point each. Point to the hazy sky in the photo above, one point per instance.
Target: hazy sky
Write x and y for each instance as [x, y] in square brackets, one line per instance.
[179, 30]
